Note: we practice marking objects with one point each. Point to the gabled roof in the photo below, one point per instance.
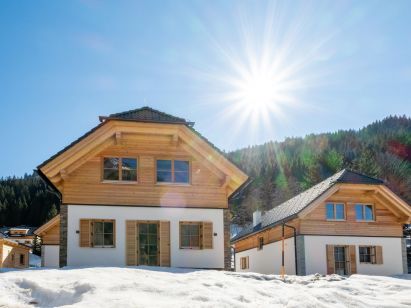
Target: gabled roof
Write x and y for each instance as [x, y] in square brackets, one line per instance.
[109, 131]
[147, 114]
[48, 225]
[290, 208]
[6, 241]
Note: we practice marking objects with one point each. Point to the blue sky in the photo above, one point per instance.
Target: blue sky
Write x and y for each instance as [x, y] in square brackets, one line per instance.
[336, 65]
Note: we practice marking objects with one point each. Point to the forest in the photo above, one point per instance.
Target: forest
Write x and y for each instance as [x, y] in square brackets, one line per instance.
[279, 170]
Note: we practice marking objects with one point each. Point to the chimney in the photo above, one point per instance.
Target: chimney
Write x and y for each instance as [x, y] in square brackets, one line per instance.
[256, 217]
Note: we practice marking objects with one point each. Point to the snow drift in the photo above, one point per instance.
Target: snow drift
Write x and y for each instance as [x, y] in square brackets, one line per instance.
[159, 287]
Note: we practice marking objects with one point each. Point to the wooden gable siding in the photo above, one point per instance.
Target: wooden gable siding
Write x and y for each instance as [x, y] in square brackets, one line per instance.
[85, 185]
[52, 236]
[270, 236]
[385, 224]
[315, 223]
[6, 255]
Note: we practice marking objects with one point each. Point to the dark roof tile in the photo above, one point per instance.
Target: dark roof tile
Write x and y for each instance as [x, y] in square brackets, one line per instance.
[147, 114]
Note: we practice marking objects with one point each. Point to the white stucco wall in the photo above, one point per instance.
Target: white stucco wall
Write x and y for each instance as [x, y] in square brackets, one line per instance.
[316, 257]
[268, 259]
[50, 255]
[81, 256]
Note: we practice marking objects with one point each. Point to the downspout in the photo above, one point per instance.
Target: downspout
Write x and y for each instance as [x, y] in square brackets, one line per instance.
[295, 248]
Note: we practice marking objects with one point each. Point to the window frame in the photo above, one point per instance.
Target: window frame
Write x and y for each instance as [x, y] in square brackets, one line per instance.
[120, 170]
[200, 234]
[245, 262]
[363, 205]
[260, 243]
[173, 182]
[335, 211]
[373, 254]
[93, 221]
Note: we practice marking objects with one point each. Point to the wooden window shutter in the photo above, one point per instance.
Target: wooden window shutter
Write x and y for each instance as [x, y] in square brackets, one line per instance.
[131, 242]
[207, 232]
[378, 255]
[330, 259]
[165, 243]
[85, 233]
[353, 259]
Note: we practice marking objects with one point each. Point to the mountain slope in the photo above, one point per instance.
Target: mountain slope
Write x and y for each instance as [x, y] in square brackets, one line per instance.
[283, 169]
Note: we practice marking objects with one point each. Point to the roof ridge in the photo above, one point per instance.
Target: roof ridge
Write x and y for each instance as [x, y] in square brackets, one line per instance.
[149, 109]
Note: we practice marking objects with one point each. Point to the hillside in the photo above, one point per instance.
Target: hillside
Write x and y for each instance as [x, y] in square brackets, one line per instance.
[279, 169]
[282, 169]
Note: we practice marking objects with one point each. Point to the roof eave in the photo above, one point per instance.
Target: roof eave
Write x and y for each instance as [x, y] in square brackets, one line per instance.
[106, 118]
[272, 225]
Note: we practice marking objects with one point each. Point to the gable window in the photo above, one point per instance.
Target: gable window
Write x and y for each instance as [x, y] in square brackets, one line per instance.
[244, 263]
[367, 254]
[364, 212]
[190, 235]
[173, 171]
[120, 169]
[103, 233]
[335, 211]
[260, 243]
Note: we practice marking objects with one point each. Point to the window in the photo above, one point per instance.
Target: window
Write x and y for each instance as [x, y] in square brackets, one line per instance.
[173, 171]
[103, 233]
[335, 211]
[190, 235]
[120, 169]
[260, 243]
[244, 262]
[367, 254]
[22, 259]
[164, 171]
[181, 171]
[364, 212]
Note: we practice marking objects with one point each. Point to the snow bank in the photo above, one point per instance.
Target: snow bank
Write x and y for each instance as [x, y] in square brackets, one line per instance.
[34, 260]
[157, 287]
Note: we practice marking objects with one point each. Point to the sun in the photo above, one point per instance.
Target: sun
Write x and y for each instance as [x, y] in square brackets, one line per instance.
[257, 90]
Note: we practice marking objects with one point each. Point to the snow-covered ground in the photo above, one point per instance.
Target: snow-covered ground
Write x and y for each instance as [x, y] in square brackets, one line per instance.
[34, 260]
[158, 287]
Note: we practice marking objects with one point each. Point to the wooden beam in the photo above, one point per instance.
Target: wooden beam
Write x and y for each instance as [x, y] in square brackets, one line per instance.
[356, 187]
[118, 138]
[203, 161]
[226, 182]
[380, 199]
[405, 207]
[174, 139]
[63, 174]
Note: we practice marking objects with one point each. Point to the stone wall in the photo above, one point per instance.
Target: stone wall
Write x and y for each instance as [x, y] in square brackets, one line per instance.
[63, 235]
[227, 247]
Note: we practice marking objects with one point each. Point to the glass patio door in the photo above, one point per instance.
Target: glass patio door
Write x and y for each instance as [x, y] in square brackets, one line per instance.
[148, 247]
[340, 260]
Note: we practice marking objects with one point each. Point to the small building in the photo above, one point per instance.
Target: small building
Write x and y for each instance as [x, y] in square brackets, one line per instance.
[50, 239]
[21, 234]
[13, 254]
[349, 223]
